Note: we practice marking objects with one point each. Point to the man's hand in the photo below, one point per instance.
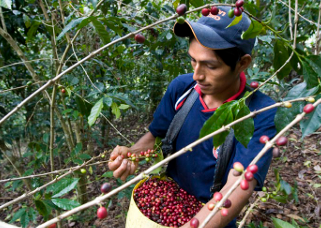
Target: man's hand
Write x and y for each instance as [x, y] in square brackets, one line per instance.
[121, 166]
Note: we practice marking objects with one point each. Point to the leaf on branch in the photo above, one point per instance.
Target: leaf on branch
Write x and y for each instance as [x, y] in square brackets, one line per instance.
[196, 3]
[66, 204]
[115, 110]
[33, 29]
[6, 4]
[63, 186]
[311, 70]
[254, 29]
[221, 117]
[235, 21]
[281, 55]
[101, 30]
[278, 223]
[70, 26]
[42, 208]
[244, 130]
[95, 111]
[18, 215]
[313, 121]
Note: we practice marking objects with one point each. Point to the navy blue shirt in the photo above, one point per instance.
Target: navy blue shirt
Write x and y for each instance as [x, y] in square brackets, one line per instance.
[194, 171]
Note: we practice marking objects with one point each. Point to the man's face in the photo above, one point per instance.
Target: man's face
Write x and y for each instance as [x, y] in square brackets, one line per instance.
[210, 72]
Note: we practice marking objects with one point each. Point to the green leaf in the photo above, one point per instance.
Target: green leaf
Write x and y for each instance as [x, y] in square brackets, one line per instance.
[235, 21]
[101, 30]
[63, 186]
[24, 220]
[42, 208]
[312, 122]
[280, 56]
[286, 187]
[310, 73]
[26, 20]
[278, 223]
[285, 115]
[281, 199]
[254, 29]
[66, 204]
[244, 130]
[33, 29]
[196, 3]
[84, 156]
[6, 4]
[115, 110]
[32, 214]
[221, 117]
[95, 111]
[108, 174]
[70, 26]
[301, 90]
[18, 215]
[159, 158]
[83, 106]
[124, 106]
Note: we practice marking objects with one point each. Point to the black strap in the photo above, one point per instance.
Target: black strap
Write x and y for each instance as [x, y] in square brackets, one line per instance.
[177, 123]
[225, 154]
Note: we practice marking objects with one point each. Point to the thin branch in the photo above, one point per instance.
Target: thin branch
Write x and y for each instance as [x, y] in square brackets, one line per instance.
[248, 212]
[94, 53]
[99, 199]
[317, 42]
[26, 195]
[2, 21]
[20, 87]
[290, 22]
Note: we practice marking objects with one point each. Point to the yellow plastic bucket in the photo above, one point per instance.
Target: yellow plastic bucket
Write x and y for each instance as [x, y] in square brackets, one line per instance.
[135, 218]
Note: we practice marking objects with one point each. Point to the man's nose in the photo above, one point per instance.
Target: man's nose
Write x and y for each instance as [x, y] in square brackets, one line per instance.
[198, 73]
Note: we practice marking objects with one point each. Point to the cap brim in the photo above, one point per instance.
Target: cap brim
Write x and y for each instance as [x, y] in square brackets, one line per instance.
[203, 34]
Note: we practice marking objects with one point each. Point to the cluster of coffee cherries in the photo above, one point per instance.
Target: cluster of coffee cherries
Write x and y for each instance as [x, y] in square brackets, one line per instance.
[147, 155]
[248, 175]
[237, 11]
[102, 211]
[165, 203]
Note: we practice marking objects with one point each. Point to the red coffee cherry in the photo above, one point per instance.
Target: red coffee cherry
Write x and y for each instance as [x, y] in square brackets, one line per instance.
[205, 12]
[63, 91]
[308, 108]
[248, 176]
[217, 196]
[239, 3]
[254, 85]
[102, 213]
[276, 152]
[214, 10]
[227, 203]
[264, 139]
[211, 206]
[52, 226]
[282, 141]
[105, 187]
[140, 38]
[244, 185]
[224, 212]
[194, 223]
[253, 169]
[237, 12]
[181, 9]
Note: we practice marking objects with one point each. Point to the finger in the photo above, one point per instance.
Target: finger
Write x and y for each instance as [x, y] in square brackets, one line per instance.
[115, 164]
[116, 152]
[133, 167]
[121, 169]
[126, 173]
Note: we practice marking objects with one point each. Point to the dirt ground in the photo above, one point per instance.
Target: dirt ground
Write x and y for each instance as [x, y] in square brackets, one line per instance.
[299, 165]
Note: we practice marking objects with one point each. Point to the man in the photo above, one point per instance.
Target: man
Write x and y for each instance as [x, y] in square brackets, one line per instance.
[218, 56]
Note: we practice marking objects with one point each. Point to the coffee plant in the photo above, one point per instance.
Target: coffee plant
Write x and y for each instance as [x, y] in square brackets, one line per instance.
[71, 69]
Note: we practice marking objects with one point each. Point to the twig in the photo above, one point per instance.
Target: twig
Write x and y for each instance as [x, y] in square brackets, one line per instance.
[248, 212]
[290, 22]
[20, 87]
[49, 183]
[99, 199]
[317, 46]
[52, 81]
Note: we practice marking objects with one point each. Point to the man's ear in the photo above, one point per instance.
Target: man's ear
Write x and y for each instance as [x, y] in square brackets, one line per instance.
[244, 63]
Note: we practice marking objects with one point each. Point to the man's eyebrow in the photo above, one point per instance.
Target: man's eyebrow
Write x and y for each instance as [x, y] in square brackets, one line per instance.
[204, 61]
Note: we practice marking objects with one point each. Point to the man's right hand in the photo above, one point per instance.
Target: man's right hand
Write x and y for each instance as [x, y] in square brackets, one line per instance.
[121, 166]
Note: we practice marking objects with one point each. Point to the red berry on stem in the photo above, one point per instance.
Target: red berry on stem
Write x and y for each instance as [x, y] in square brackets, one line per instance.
[249, 176]
[63, 90]
[237, 12]
[242, 9]
[227, 203]
[253, 169]
[282, 141]
[217, 196]
[102, 213]
[140, 38]
[105, 187]
[224, 212]
[264, 139]
[205, 12]
[181, 9]
[211, 206]
[308, 108]
[239, 3]
[129, 154]
[276, 152]
[238, 166]
[214, 10]
[254, 85]
[194, 223]
[52, 225]
[244, 185]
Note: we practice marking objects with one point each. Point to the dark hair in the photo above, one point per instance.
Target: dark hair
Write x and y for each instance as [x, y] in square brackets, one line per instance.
[229, 56]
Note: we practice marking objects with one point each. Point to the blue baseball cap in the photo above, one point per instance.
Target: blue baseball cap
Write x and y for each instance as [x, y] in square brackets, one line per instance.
[212, 32]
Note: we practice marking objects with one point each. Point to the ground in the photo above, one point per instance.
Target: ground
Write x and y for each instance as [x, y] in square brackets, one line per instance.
[299, 165]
